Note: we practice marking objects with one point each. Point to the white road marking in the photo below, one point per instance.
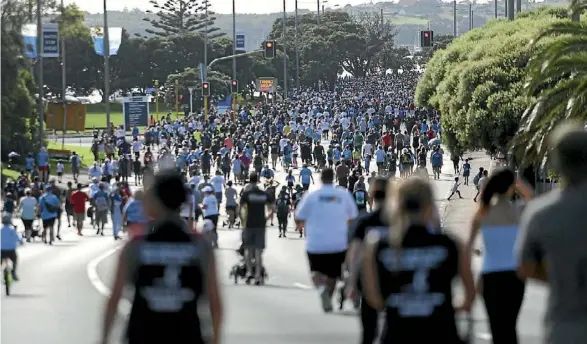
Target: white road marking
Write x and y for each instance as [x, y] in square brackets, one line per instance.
[302, 286]
[124, 306]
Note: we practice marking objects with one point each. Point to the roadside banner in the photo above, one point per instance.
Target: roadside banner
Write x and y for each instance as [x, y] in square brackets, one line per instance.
[50, 41]
[114, 39]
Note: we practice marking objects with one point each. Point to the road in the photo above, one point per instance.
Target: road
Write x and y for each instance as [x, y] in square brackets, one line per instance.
[62, 292]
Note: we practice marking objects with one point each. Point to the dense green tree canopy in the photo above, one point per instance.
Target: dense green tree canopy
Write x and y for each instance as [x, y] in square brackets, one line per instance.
[477, 81]
[179, 17]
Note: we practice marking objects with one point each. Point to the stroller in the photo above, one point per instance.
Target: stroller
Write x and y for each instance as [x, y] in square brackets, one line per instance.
[239, 270]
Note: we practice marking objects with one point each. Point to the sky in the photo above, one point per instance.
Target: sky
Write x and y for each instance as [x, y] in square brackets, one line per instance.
[220, 6]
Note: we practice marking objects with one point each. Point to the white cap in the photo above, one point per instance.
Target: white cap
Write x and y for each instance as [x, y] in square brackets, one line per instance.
[207, 189]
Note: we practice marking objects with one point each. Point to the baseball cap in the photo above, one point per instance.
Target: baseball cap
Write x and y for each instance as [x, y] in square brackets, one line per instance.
[207, 189]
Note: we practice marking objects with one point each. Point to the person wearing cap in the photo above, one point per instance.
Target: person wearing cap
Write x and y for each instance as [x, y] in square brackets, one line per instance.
[10, 240]
[49, 206]
[173, 274]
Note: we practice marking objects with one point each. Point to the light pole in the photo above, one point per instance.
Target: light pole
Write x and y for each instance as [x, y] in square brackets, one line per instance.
[191, 90]
[285, 93]
[233, 39]
[63, 75]
[106, 67]
[206, 39]
[297, 47]
[40, 82]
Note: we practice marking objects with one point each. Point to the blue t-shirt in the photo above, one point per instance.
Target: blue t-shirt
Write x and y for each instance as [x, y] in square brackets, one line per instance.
[48, 199]
[306, 175]
[134, 212]
[42, 159]
[9, 238]
[436, 159]
[30, 163]
[380, 155]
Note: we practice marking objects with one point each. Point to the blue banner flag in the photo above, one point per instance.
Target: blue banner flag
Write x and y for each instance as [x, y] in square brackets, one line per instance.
[240, 41]
[114, 38]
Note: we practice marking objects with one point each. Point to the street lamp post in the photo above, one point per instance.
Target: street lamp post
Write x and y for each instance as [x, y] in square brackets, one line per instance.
[284, 54]
[106, 67]
[40, 82]
[191, 90]
[297, 47]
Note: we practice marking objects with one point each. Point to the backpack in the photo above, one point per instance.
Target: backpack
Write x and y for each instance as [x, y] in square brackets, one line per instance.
[101, 204]
[476, 180]
[50, 207]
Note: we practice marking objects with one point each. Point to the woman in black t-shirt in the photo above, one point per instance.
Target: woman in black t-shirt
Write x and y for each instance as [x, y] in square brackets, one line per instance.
[409, 270]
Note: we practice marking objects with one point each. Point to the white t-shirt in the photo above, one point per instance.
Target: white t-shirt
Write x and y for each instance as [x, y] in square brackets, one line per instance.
[211, 204]
[188, 208]
[326, 212]
[217, 182]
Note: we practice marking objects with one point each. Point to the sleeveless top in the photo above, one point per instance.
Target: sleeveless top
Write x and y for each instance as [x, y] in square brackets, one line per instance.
[416, 286]
[499, 229]
[168, 269]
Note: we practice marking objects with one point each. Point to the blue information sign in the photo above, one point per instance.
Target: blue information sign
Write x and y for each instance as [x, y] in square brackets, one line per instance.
[136, 112]
[240, 41]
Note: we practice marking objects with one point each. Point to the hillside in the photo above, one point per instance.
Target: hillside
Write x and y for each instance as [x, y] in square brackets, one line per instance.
[409, 16]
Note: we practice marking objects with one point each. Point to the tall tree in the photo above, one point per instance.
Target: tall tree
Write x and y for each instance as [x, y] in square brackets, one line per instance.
[180, 17]
[557, 83]
[19, 124]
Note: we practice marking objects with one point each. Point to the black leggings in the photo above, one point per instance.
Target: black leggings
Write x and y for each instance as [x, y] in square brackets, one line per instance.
[369, 322]
[503, 293]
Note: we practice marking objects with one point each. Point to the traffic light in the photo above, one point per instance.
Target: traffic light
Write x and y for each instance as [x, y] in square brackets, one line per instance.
[269, 49]
[206, 89]
[426, 38]
[234, 86]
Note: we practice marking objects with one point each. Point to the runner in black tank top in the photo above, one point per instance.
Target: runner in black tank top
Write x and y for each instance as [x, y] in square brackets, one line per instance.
[170, 284]
[417, 288]
[173, 271]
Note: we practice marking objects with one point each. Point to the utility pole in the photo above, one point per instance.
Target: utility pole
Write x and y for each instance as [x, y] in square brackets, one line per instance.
[297, 47]
[381, 14]
[63, 75]
[233, 39]
[285, 93]
[472, 19]
[470, 16]
[511, 13]
[106, 67]
[518, 6]
[318, 12]
[495, 2]
[40, 82]
[506, 8]
[206, 39]
[454, 18]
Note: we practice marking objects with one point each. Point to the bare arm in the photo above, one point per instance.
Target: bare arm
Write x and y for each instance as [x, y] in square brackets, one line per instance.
[370, 279]
[215, 298]
[115, 295]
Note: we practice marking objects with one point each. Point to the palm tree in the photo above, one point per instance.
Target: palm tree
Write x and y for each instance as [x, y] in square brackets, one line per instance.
[557, 85]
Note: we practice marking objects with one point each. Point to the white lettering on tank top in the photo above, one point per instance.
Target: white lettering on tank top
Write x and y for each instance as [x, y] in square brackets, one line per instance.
[415, 298]
[167, 294]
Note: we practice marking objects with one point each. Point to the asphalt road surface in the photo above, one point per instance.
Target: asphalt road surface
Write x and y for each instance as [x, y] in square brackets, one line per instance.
[62, 292]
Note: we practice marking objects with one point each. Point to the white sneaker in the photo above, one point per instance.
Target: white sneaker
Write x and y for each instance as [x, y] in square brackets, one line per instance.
[325, 298]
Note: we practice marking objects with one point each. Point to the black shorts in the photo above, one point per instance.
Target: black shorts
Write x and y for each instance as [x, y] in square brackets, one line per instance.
[329, 264]
[306, 187]
[47, 223]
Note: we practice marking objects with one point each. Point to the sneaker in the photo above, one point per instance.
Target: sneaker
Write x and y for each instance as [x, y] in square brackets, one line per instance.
[58, 237]
[326, 299]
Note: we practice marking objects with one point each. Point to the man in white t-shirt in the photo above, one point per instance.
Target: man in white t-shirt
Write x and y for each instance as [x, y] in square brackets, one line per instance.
[325, 214]
[218, 184]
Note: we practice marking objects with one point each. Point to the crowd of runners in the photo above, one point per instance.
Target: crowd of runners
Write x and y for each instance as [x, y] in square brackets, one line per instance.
[251, 167]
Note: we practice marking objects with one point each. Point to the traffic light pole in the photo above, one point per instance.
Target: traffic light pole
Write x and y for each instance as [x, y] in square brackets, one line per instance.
[223, 58]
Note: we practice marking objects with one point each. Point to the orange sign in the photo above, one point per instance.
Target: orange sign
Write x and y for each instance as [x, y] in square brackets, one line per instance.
[266, 85]
[75, 118]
